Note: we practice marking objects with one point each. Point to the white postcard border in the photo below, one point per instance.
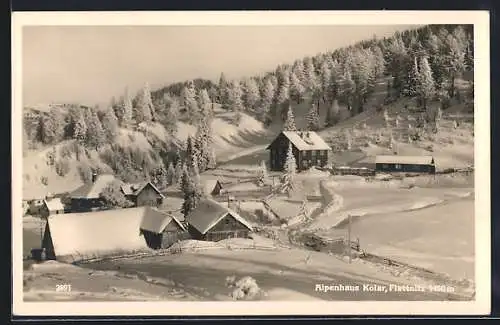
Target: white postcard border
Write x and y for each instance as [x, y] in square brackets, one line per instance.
[480, 19]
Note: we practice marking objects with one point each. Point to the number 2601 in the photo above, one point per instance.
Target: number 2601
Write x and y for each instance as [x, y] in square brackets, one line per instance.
[63, 287]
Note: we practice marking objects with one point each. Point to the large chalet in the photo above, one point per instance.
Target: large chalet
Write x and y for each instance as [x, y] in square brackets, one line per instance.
[308, 148]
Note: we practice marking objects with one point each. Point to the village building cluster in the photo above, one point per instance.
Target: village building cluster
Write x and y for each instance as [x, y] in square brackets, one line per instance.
[80, 222]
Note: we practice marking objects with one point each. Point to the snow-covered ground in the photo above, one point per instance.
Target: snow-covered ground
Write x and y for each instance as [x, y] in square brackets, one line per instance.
[440, 238]
[40, 282]
[428, 227]
[290, 274]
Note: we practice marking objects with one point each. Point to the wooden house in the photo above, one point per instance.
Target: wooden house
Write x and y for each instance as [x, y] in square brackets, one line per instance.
[143, 194]
[405, 164]
[308, 148]
[212, 221]
[161, 230]
[212, 187]
[51, 206]
[75, 236]
[86, 198]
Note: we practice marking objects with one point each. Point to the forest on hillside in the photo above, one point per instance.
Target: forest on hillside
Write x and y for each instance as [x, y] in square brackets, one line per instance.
[423, 63]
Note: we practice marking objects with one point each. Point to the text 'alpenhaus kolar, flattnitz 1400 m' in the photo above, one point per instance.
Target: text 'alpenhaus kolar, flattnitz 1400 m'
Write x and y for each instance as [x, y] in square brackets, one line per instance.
[367, 287]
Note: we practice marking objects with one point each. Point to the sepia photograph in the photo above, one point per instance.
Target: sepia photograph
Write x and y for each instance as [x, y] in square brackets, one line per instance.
[311, 161]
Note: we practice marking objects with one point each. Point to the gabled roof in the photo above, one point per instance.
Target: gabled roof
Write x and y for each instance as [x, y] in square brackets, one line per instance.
[209, 185]
[136, 188]
[404, 160]
[156, 221]
[54, 204]
[208, 213]
[97, 232]
[92, 190]
[305, 140]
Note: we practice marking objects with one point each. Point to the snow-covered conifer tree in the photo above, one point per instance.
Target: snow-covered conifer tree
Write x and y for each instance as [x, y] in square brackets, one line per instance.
[171, 177]
[426, 89]
[251, 93]
[127, 110]
[80, 129]
[189, 102]
[312, 118]
[110, 124]
[144, 110]
[290, 170]
[289, 124]
[95, 135]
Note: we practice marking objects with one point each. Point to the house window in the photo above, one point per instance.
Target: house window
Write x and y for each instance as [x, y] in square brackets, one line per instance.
[398, 166]
[385, 166]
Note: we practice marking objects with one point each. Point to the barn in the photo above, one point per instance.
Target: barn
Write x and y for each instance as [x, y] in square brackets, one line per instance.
[212, 221]
[405, 164]
[51, 206]
[161, 230]
[308, 148]
[74, 236]
[143, 194]
[86, 197]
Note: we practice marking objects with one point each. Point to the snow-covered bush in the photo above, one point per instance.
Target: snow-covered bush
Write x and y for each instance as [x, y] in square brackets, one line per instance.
[244, 288]
[44, 180]
[62, 167]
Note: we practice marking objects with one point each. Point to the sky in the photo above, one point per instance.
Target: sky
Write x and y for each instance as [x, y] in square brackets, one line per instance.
[90, 64]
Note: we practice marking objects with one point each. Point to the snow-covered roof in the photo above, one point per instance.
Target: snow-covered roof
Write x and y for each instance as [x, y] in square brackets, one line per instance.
[136, 188]
[208, 213]
[97, 232]
[413, 160]
[209, 185]
[283, 208]
[306, 140]
[54, 204]
[156, 221]
[92, 190]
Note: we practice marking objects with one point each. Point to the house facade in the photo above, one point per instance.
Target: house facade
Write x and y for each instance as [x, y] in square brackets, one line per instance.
[405, 164]
[86, 198]
[212, 221]
[143, 194]
[308, 148]
[161, 230]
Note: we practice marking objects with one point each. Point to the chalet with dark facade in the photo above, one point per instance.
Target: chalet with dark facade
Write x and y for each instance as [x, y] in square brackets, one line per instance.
[143, 194]
[405, 164]
[161, 230]
[51, 206]
[86, 197]
[212, 221]
[308, 148]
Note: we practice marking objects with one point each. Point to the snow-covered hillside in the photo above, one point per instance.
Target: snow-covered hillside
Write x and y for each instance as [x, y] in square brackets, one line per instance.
[40, 175]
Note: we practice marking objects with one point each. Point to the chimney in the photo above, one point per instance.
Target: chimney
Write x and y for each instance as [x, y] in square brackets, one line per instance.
[94, 177]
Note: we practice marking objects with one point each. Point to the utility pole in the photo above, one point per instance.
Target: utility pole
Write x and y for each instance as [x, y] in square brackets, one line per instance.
[349, 237]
